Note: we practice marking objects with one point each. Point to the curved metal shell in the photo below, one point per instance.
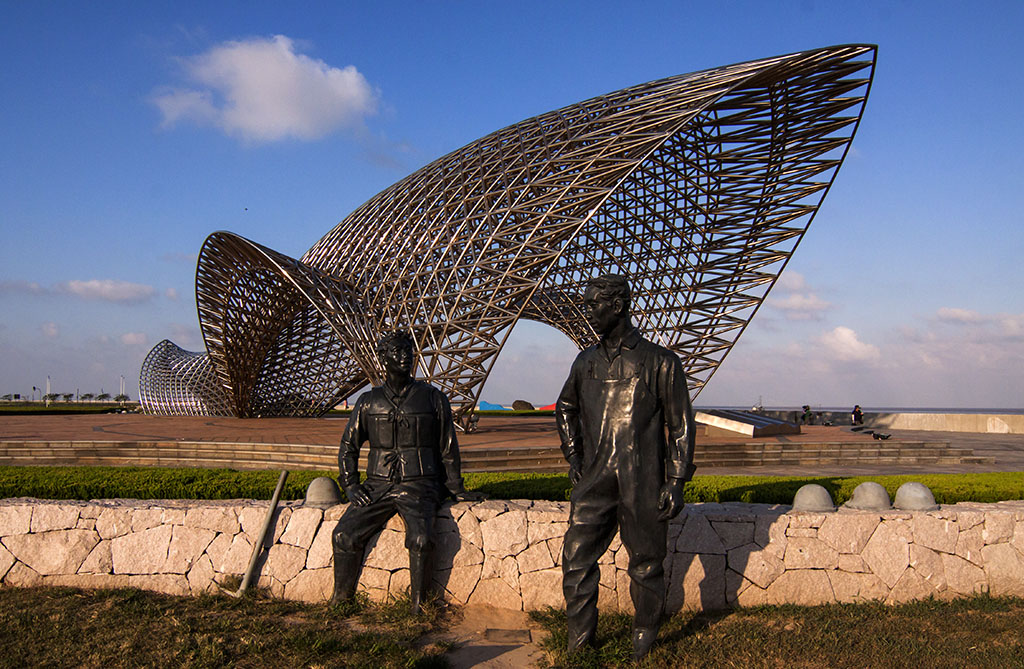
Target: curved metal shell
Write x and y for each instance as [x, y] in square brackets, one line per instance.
[698, 187]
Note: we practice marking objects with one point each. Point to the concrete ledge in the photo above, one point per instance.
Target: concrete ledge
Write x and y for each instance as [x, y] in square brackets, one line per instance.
[507, 554]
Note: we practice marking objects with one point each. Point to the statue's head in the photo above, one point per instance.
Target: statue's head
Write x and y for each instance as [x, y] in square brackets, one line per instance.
[397, 352]
[606, 302]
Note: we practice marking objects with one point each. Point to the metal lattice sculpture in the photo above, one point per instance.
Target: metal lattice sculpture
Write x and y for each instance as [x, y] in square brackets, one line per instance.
[698, 187]
[176, 382]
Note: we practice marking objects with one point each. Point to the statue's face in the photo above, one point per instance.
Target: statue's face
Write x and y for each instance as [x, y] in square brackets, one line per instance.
[602, 313]
[398, 358]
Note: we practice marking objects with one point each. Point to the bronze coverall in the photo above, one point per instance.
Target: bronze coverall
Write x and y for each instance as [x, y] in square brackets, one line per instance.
[413, 458]
[612, 417]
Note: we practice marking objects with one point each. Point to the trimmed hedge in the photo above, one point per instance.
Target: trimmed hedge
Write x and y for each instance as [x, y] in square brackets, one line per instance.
[158, 483]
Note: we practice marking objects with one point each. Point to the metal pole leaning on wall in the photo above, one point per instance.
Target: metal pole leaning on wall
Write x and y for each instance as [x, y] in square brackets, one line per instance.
[258, 547]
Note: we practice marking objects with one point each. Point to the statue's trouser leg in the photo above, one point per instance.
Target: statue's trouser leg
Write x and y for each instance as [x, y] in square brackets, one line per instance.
[357, 525]
[644, 538]
[417, 504]
[592, 522]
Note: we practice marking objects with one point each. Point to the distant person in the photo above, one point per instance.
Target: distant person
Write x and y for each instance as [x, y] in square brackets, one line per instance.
[856, 416]
[808, 417]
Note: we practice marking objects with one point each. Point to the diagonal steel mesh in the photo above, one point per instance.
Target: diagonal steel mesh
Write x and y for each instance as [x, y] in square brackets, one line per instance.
[698, 187]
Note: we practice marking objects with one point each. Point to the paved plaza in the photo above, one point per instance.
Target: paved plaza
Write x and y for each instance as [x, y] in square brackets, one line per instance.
[993, 452]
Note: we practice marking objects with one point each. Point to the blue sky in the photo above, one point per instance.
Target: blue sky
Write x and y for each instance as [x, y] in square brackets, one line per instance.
[118, 156]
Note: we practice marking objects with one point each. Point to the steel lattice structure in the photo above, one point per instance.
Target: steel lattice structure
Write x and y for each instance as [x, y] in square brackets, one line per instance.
[698, 187]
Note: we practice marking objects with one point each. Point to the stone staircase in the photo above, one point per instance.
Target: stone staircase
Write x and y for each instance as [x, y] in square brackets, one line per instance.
[532, 458]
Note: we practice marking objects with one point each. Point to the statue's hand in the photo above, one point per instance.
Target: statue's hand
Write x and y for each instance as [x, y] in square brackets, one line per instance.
[670, 501]
[357, 494]
[575, 471]
[470, 496]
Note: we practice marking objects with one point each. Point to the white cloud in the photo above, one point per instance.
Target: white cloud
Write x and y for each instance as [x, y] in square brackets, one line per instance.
[843, 344]
[107, 290]
[21, 287]
[50, 330]
[133, 339]
[956, 315]
[263, 90]
[171, 294]
[792, 296]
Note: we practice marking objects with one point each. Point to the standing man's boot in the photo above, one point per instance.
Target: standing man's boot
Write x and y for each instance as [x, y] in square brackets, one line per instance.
[421, 572]
[643, 641]
[346, 575]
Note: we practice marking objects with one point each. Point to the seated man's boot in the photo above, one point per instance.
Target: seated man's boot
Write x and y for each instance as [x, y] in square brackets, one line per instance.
[346, 575]
[643, 641]
[421, 572]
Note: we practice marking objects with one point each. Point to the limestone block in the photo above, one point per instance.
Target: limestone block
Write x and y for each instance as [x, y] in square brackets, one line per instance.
[1004, 569]
[99, 560]
[280, 522]
[15, 519]
[534, 558]
[312, 585]
[698, 583]
[489, 509]
[544, 513]
[335, 512]
[90, 581]
[808, 553]
[697, 536]
[856, 587]
[734, 585]
[302, 526]
[85, 523]
[969, 544]
[6, 561]
[928, 565]
[229, 554]
[21, 575]
[216, 518]
[733, 534]
[113, 522]
[851, 563]
[963, 577]
[607, 599]
[49, 517]
[321, 552]
[806, 587]
[911, 586]
[887, 553]
[616, 543]
[200, 576]
[374, 579]
[284, 562]
[145, 519]
[452, 550]
[399, 583]
[848, 532]
[542, 588]
[555, 548]
[770, 533]
[495, 592]
[57, 552]
[805, 532]
[621, 558]
[271, 584]
[756, 564]
[469, 530]
[608, 557]
[141, 552]
[187, 544]
[998, 527]
[250, 519]
[169, 584]
[935, 533]
[806, 519]
[459, 582]
[504, 534]
[388, 552]
[968, 519]
[607, 575]
[90, 511]
[752, 596]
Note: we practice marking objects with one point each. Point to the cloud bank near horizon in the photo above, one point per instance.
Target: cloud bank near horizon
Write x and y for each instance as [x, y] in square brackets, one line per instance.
[264, 90]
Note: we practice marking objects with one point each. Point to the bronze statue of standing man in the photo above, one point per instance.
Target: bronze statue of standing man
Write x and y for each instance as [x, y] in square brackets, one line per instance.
[412, 466]
[627, 430]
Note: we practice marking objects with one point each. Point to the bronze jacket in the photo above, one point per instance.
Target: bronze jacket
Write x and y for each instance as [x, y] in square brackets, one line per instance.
[411, 436]
[628, 410]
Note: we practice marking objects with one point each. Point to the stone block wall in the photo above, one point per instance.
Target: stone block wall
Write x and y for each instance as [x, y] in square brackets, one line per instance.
[508, 553]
